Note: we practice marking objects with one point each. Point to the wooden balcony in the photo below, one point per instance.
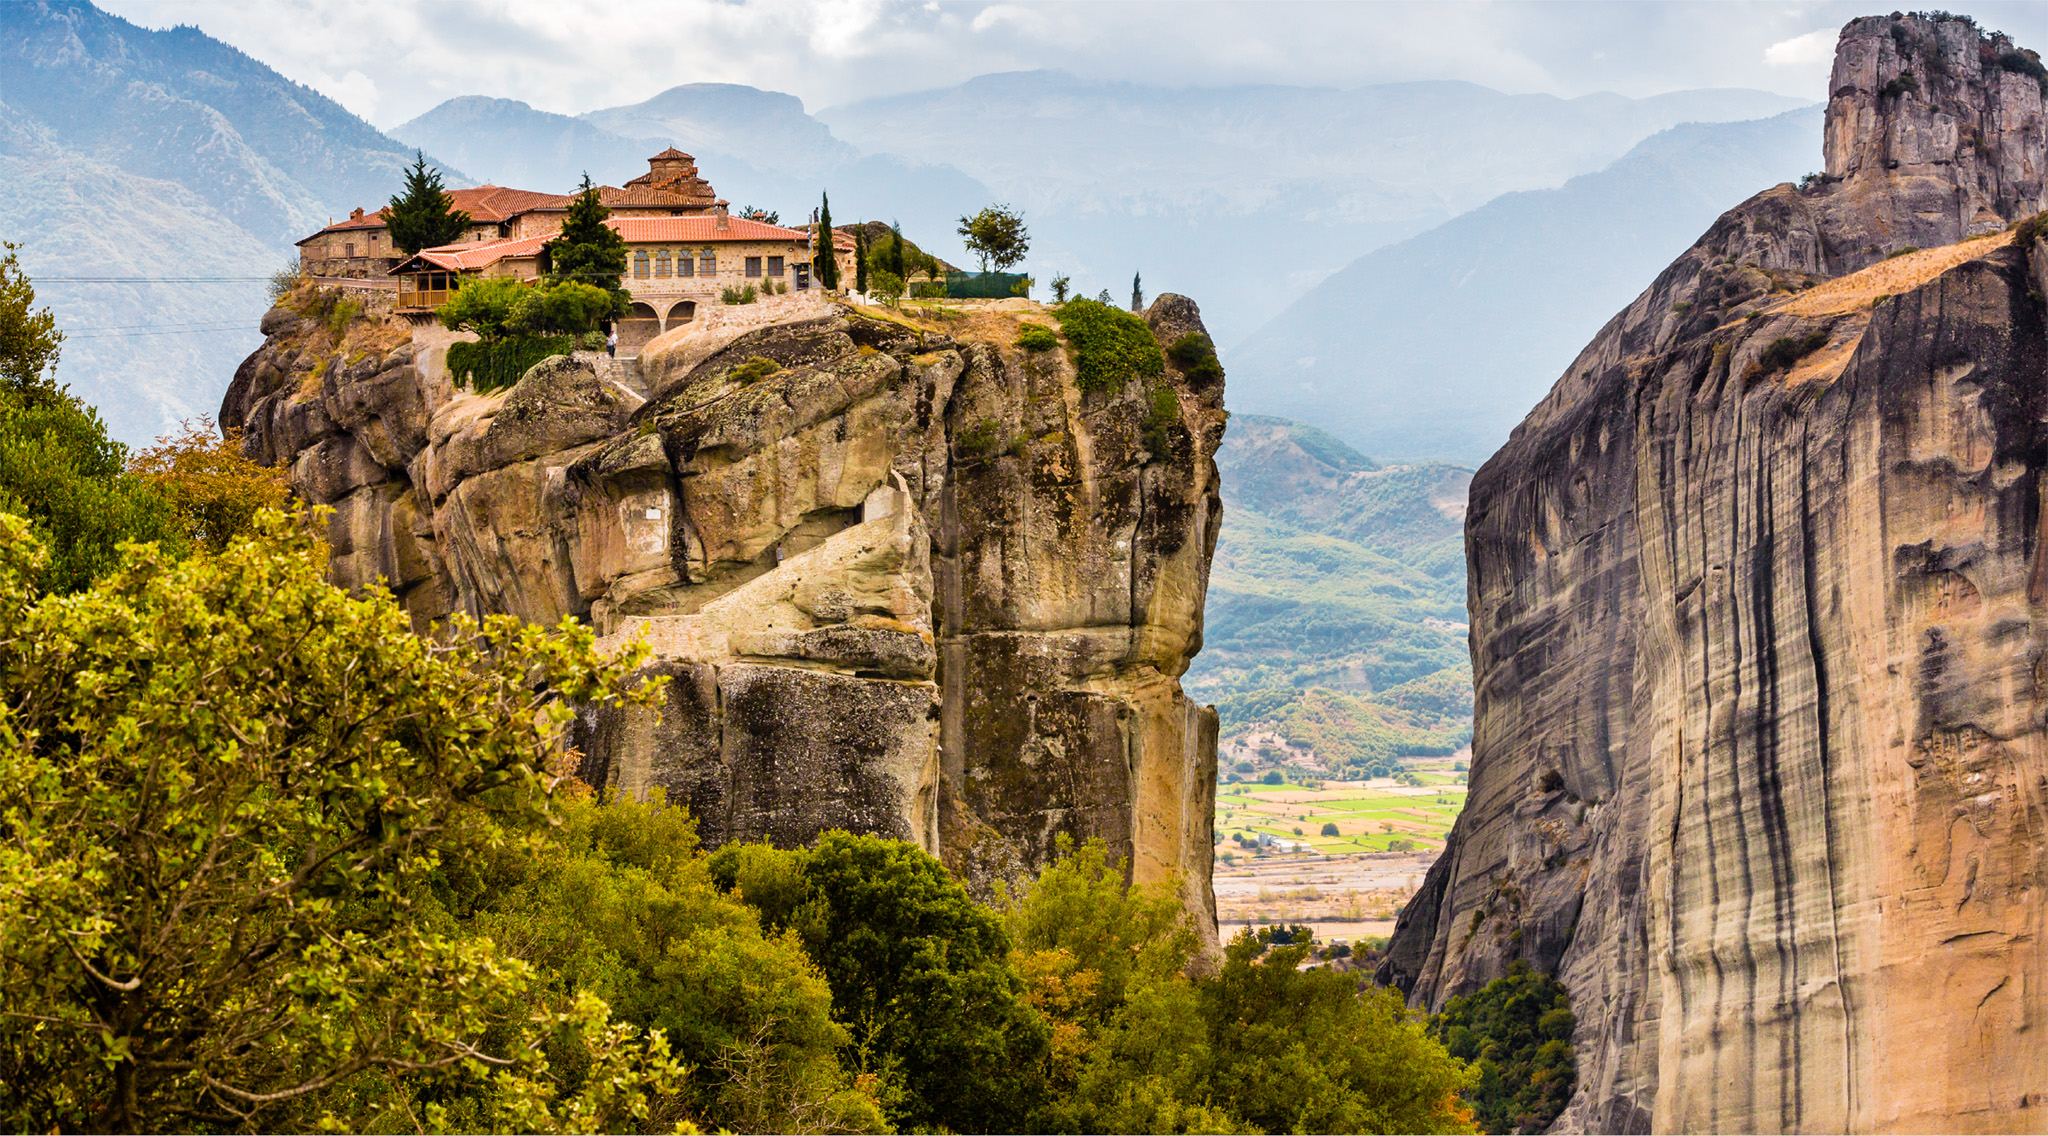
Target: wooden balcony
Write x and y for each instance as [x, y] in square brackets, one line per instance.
[422, 299]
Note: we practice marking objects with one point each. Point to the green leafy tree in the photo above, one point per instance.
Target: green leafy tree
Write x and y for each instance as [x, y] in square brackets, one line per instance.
[887, 285]
[422, 215]
[1061, 285]
[213, 488]
[826, 255]
[1308, 1051]
[919, 972]
[623, 906]
[226, 786]
[587, 250]
[29, 339]
[997, 236]
[1517, 1032]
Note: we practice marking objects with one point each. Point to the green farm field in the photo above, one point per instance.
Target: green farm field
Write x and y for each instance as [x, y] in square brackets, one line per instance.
[1373, 816]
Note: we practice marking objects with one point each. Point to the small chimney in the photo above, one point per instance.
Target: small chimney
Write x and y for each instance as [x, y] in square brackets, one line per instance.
[718, 211]
[356, 214]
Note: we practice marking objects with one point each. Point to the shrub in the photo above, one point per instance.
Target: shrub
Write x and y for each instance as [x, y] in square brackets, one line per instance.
[1036, 337]
[488, 366]
[1905, 84]
[753, 368]
[1330, 828]
[1195, 355]
[1517, 1033]
[737, 294]
[591, 341]
[284, 280]
[1784, 351]
[1161, 416]
[886, 285]
[980, 438]
[1902, 252]
[1273, 777]
[1111, 347]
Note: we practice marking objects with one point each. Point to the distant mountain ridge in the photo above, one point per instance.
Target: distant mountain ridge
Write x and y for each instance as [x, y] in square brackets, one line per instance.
[1436, 347]
[131, 153]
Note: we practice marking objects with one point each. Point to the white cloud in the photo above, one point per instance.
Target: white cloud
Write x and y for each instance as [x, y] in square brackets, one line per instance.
[1817, 46]
[392, 60]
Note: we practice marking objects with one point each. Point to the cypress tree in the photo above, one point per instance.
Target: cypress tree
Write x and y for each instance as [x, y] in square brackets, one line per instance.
[860, 258]
[422, 216]
[895, 257]
[827, 256]
[1137, 292]
[587, 250]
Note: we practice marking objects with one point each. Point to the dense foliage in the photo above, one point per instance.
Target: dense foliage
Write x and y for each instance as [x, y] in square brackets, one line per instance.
[1037, 337]
[226, 786]
[422, 215]
[1195, 355]
[74, 484]
[919, 973]
[1110, 346]
[1517, 1032]
[489, 365]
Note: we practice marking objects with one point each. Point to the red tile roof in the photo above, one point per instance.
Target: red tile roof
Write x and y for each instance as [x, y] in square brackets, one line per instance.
[651, 230]
[635, 230]
[485, 204]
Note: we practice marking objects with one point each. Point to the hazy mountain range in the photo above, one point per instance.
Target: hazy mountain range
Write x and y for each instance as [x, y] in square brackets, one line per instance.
[129, 153]
[1437, 346]
[131, 156]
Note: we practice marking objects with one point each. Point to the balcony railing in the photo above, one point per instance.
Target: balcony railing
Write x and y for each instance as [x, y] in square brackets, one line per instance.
[417, 299]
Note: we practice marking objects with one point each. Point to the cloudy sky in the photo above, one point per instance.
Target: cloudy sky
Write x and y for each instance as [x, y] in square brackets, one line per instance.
[389, 60]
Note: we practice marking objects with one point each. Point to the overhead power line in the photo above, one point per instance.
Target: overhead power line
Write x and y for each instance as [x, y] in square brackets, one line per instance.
[149, 279]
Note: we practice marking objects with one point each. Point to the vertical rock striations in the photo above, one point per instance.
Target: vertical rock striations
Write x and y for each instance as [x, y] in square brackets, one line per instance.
[1761, 650]
[906, 583]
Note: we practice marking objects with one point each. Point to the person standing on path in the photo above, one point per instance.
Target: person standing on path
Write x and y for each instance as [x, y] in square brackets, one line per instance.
[611, 342]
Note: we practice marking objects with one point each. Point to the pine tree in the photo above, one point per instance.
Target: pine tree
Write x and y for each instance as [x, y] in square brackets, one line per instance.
[860, 258]
[423, 215]
[827, 256]
[895, 257]
[587, 250]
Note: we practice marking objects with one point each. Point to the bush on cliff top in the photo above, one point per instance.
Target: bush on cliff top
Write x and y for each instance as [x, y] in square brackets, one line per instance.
[1110, 346]
[494, 365]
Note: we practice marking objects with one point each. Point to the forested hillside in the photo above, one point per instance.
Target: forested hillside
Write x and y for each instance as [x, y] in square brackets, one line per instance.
[1336, 613]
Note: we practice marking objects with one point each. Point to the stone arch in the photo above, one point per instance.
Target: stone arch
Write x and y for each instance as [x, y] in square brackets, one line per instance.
[683, 312]
[641, 324]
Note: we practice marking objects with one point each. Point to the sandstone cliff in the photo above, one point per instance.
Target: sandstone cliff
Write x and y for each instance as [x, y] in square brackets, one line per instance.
[1759, 601]
[913, 582]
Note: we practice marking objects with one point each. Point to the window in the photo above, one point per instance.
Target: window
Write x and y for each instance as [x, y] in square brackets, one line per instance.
[661, 263]
[348, 249]
[707, 263]
[774, 266]
[753, 266]
[640, 264]
[684, 265]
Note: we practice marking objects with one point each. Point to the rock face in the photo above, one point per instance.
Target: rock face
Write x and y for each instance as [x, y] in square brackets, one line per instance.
[1759, 601]
[909, 583]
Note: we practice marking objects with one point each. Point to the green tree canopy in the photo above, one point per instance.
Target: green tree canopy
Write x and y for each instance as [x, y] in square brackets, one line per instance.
[919, 972]
[422, 215]
[1517, 1032]
[29, 339]
[997, 236]
[587, 250]
[500, 307]
[226, 788]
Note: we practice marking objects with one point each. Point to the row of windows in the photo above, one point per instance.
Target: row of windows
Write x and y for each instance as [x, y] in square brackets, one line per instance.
[705, 263]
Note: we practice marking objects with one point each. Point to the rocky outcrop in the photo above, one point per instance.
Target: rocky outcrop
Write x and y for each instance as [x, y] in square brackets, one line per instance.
[905, 579]
[1761, 651]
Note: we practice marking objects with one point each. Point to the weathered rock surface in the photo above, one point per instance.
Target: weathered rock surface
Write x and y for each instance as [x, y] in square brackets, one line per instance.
[1759, 604]
[911, 583]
